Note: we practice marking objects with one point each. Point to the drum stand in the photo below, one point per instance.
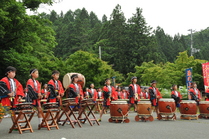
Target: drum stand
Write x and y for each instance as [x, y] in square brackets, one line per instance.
[189, 116]
[90, 106]
[65, 110]
[27, 120]
[166, 116]
[49, 115]
[144, 117]
[203, 115]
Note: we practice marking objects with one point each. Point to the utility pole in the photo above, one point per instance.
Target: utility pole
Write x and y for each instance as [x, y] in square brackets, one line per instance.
[100, 53]
[193, 50]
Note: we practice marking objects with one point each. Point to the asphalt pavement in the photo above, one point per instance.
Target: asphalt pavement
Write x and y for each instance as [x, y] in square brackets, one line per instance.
[178, 129]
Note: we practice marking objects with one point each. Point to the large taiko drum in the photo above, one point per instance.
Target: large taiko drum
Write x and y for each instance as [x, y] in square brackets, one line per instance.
[144, 108]
[119, 111]
[204, 107]
[67, 79]
[166, 105]
[188, 107]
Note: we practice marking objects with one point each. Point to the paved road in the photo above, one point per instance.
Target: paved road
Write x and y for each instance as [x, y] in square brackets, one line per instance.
[181, 129]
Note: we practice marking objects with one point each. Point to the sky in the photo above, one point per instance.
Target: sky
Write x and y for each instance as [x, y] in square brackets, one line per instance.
[174, 16]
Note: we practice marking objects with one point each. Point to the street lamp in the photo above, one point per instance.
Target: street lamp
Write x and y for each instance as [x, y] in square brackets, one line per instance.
[193, 50]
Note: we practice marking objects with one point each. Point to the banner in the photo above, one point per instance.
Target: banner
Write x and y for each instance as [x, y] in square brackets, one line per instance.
[188, 80]
[205, 72]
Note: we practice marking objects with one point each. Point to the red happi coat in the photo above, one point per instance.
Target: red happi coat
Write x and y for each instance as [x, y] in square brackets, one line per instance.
[101, 97]
[158, 95]
[38, 90]
[122, 95]
[60, 89]
[113, 95]
[144, 95]
[19, 92]
[179, 94]
[132, 96]
[95, 96]
[72, 85]
[191, 90]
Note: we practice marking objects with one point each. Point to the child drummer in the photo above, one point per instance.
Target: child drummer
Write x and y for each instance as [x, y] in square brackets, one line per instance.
[14, 89]
[109, 95]
[176, 95]
[195, 93]
[155, 95]
[57, 86]
[36, 87]
[134, 91]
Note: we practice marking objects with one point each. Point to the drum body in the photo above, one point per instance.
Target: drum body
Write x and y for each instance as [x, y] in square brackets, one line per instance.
[188, 107]
[204, 107]
[144, 108]
[118, 109]
[67, 79]
[50, 106]
[24, 107]
[166, 105]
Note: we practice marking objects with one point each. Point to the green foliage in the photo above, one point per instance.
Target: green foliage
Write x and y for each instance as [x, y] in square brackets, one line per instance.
[169, 73]
[94, 69]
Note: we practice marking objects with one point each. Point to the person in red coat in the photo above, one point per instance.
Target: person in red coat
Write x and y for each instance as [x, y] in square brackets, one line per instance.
[100, 93]
[146, 93]
[87, 94]
[195, 93]
[155, 95]
[109, 95]
[93, 92]
[44, 92]
[134, 92]
[124, 94]
[207, 94]
[119, 92]
[57, 87]
[14, 89]
[34, 86]
[176, 95]
[75, 89]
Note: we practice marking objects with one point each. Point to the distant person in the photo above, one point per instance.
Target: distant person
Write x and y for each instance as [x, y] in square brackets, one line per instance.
[176, 95]
[155, 95]
[109, 95]
[195, 93]
[134, 92]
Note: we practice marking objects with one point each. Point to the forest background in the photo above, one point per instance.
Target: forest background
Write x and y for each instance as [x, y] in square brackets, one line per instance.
[70, 43]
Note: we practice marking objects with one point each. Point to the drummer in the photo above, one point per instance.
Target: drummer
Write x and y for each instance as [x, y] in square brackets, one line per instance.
[14, 89]
[195, 93]
[87, 93]
[44, 92]
[93, 92]
[124, 94]
[207, 94]
[146, 93]
[119, 92]
[176, 95]
[57, 87]
[75, 89]
[36, 87]
[109, 95]
[134, 92]
[155, 95]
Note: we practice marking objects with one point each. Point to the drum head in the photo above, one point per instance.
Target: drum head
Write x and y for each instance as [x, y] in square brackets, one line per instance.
[167, 100]
[67, 80]
[144, 102]
[118, 102]
[188, 101]
[204, 102]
